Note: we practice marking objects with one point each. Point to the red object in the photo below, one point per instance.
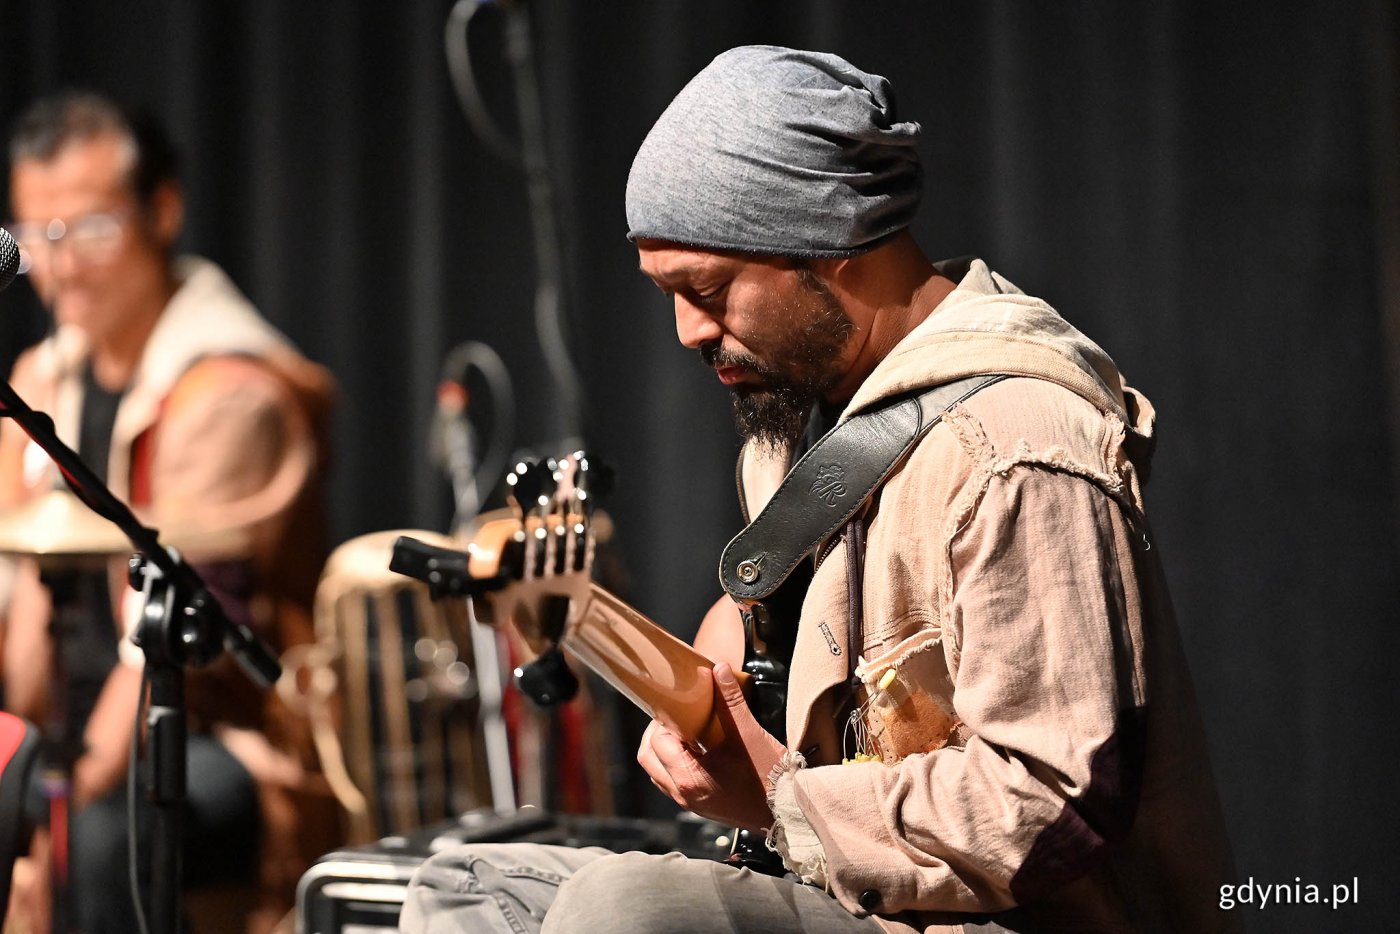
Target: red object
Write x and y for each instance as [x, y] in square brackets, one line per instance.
[452, 396]
[19, 746]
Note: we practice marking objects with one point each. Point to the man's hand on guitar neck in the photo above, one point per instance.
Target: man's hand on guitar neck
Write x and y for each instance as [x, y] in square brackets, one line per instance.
[729, 782]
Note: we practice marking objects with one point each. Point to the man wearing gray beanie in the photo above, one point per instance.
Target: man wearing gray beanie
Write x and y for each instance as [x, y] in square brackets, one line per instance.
[987, 722]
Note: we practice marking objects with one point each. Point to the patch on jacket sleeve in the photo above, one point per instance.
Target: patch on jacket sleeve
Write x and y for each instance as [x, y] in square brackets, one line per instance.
[909, 702]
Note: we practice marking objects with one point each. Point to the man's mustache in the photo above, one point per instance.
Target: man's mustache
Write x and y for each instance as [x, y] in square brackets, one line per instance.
[716, 356]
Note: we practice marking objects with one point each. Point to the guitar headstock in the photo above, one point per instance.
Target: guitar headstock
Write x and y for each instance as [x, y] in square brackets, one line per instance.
[547, 532]
[531, 567]
[539, 559]
[552, 507]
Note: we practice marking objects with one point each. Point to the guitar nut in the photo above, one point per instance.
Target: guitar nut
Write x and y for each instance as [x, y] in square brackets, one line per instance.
[747, 571]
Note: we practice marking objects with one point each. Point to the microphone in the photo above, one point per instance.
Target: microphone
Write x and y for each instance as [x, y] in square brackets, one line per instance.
[9, 259]
[454, 444]
[456, 439]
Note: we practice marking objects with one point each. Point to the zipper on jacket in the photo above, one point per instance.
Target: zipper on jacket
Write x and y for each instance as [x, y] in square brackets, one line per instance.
[825, 550]
[855, 590]
[739, 483]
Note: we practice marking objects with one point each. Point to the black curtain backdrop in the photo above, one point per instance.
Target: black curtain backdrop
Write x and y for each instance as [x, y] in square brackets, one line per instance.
[1207, 189]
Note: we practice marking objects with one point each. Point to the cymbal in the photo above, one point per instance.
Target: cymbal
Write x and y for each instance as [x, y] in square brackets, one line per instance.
[57, 527]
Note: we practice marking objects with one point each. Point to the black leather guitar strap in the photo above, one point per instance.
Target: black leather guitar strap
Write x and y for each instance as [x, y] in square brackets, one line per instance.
[829, 484]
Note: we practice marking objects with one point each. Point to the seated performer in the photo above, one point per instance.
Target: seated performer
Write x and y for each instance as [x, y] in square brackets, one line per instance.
[989, 724]
[203, 418]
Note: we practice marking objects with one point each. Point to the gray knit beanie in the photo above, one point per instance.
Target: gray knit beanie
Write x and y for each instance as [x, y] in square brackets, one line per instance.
[779, 152]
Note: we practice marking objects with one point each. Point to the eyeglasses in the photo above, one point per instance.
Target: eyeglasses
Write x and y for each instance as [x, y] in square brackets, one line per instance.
[93, 238]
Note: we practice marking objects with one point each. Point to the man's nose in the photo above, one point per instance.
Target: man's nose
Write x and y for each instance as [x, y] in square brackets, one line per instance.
[61, 261]
[694, 325]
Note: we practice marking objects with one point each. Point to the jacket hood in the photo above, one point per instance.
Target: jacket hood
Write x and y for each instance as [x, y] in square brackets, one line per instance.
[987, 325]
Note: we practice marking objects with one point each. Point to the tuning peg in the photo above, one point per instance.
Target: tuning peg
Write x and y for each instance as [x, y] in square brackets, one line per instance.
[544, 481]
[595, 476]
[547, 680]
[524, 486]
[513, 477]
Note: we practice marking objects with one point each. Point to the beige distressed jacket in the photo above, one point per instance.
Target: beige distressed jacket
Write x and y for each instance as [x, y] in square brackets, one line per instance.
[1037, 752]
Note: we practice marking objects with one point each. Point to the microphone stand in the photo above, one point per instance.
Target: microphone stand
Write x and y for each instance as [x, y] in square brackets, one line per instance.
[181, 625]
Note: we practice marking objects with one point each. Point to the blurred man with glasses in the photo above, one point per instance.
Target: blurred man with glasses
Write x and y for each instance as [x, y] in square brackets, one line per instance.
[208, 422]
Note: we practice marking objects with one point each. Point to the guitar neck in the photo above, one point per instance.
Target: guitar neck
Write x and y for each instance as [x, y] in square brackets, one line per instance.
[661, 674]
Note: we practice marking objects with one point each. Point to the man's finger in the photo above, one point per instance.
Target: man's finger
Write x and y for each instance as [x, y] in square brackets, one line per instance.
[645, 745]
[660, 754]
[650, 764]
[729, 687]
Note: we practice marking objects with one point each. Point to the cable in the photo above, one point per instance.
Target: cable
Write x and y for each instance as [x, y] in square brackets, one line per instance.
[530, 156]
[463, 359]
[464, 82]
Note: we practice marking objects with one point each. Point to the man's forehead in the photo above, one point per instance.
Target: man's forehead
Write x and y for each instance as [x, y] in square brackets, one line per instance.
[91, 167]
[672, 264]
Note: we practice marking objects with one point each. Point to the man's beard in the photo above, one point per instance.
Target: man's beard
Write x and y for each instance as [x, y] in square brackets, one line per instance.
[800, 364]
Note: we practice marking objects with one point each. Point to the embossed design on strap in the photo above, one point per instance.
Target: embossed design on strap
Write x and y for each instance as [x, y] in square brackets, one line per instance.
[829, 483]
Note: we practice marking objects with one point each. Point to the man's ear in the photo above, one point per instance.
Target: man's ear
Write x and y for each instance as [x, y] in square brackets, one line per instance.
[167, 213]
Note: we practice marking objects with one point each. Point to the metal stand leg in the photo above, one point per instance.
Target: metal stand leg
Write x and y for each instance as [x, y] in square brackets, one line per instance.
[165, 784]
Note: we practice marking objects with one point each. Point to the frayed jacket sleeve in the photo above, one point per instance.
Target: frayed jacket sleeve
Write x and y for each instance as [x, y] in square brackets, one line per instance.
[1044, 623]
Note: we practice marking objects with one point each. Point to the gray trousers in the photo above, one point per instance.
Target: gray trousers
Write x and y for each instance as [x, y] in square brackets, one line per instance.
[532, 888]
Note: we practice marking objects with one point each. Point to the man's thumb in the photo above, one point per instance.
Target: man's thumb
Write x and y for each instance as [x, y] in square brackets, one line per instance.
[729, 687]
